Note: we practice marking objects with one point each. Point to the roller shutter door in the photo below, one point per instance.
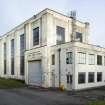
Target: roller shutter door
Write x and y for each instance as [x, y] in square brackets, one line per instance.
[35, 73]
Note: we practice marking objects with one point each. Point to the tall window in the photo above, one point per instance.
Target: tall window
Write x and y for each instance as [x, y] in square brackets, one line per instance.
[82, 58]
[22, 43]
[91, 77]
[36, 36]
[69, 58]
[81, 77]
[104, 60]
[5, 61]
[12, 57]
[91, 59]
[99, 76]
[60, 31]
[99, 60]
[79, 36]
[53, 59]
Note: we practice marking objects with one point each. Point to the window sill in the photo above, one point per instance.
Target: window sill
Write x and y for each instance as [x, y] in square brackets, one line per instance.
[91, 64]
[81, 63]
[81, 83]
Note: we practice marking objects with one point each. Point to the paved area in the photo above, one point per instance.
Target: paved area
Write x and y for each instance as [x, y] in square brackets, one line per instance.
[27, 96]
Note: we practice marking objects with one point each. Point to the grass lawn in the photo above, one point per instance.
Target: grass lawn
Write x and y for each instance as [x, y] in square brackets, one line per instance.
[10, 83]
[96, 103]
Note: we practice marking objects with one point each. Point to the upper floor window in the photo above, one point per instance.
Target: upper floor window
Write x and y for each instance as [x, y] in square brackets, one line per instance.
[53, 59]
[36, 36]
[91, 59]
[60, 31]
[79, 37]
[99, 60]
[12, 48]
[22, 43]
[81, 58]
[5, 61]
[69, 58]
[12, 56]
[22, 48]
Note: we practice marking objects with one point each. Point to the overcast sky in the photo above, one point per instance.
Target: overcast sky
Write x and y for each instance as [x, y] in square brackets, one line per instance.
[13, 12]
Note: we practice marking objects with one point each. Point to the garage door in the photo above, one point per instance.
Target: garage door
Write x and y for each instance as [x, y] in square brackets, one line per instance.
[35, 73]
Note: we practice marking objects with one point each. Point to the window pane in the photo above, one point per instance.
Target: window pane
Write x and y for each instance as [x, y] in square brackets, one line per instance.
[53, 59]
[69, 58]
[81, 77]
[99, 60]
[82, 58]
[69, 78]
[5, 70]
[60, 31]
[36, 36]
[12, 57]
[90, 77]
[79, 36]
[91, 59]
[99, 76]
[22, 48]
[104, 60]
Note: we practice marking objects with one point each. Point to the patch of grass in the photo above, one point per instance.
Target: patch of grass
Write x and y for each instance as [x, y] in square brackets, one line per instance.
[96, 103]
[11, 83]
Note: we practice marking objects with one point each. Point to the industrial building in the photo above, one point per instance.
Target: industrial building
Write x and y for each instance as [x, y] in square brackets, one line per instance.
[51, 49]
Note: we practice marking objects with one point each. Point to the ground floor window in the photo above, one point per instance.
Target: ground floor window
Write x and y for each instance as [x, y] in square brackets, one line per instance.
[81, 77]
[91, 77]
[99, 76]
[53, 59]
[12, 66]
[21, 65]
[5, 67]
[69, 78]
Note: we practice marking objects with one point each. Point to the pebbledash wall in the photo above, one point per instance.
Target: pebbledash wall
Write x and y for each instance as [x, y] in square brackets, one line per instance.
[50, 50]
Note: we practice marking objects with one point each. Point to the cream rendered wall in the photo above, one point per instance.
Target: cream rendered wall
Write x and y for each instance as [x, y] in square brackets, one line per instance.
[2, 67]
[18, 33]
[1, 57]
[52, 22]
[88, 68]
[39, 54]
[47, 22]
[64, 68]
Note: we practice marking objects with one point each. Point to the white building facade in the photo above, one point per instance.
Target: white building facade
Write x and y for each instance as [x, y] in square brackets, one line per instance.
[46, 51]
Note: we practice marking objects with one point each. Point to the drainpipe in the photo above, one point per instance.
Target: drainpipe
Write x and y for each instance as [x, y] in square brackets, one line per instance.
[59, 51]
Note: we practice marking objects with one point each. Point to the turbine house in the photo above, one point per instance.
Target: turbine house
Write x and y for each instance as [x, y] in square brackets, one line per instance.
[50, 50]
